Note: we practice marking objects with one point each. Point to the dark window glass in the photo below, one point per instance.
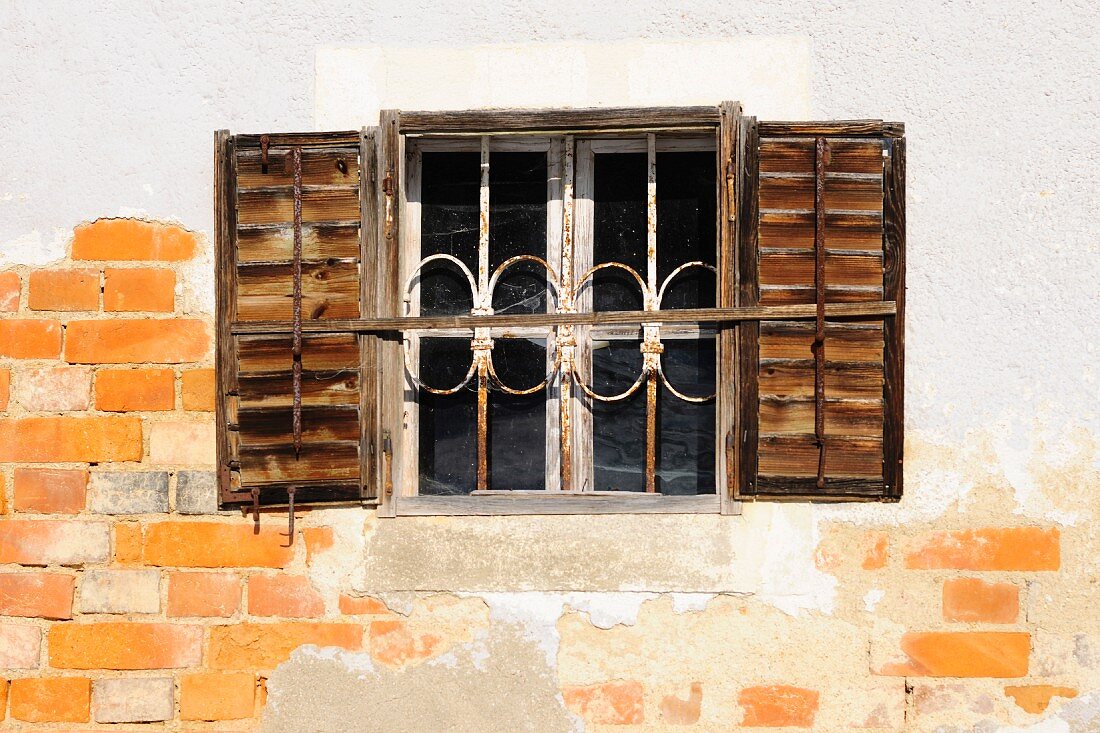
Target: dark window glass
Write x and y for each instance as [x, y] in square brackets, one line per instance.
[517, 423]
[517, 226]
[686, 218]
[449, 215]
[618, 428]
[619, 213]
[685, 454]
[448, 423]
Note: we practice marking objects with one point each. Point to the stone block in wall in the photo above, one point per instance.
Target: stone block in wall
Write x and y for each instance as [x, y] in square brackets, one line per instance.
[133, 700]
[128, 492]
[120, 591]
[196, 492]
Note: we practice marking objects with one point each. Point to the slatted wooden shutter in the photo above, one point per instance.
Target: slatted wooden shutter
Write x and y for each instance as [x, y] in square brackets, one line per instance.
[292, 426]
[823, 214]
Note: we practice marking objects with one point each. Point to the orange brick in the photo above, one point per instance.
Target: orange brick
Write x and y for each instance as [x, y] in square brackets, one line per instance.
[610, 703]
[393, 644]
[288, 596]
[3, 699]
[53, 542]
[198, 390]
[215, 545]
[970, 599]
[36, 595]
[126, 390]
[5, 388]
[677, 711]
[266, 646]
[203, 594]
[129, 239]
[139, 289]
[775, 706]
[30, 339]
[1012, 548]
[353, 606]
[963, 654]
[318, 539]
[123, 645]
[3, 495]
[50, 490]
[164, 341]
[63, 290]
[51, 700]
[1035, 699]
[71, 439]
[875, 557]
[9, 296]
[217, 696]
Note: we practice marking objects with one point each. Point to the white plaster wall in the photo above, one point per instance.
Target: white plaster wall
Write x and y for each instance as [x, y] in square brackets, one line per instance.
[109, 108]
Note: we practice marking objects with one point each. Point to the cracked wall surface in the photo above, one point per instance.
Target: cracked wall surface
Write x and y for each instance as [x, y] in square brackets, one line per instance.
[127, 602]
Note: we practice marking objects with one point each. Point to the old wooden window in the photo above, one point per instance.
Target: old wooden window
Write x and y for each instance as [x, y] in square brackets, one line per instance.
[643, 310]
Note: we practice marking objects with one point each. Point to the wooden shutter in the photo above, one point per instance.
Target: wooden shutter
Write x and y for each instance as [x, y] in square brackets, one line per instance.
[259, 187]
[856, 224]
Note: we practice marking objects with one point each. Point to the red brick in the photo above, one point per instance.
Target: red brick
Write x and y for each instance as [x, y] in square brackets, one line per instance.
[970, 599]
[394, 644]
[1011, 548]
[256, 647]
[203, 594]
[776, 706]
[51, 700]
[366, 606]
[163, 341]
[215, 545]
[5, 388]
[129, 239]
[287, 596]
[610, 703]
[30, 339]
[50, 490]
[124, 645]
[127, 390]
[9, 297]
[147, 289]
[198, 390]
[963, 654]
[71, 439]
[217, 696]
[63, 290]
[1035, 699]
[36, 595]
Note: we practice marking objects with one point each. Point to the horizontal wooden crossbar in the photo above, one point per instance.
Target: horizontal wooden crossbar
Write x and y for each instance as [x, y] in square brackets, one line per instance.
[718, 316]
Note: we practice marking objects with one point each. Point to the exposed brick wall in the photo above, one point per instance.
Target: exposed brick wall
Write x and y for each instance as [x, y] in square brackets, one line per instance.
[125, 597]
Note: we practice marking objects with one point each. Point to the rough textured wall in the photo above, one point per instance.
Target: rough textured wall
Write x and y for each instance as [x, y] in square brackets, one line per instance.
[970, 606]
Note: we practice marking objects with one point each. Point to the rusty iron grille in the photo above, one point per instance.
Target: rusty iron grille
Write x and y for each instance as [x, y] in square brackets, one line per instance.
[564, 288]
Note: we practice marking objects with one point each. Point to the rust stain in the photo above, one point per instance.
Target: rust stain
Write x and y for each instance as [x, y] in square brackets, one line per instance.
[821, 157]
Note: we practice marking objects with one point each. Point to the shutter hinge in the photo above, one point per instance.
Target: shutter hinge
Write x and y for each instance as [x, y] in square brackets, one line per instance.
[387, 465]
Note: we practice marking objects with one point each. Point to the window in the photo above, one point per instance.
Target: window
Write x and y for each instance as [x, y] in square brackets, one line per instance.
[657, 310]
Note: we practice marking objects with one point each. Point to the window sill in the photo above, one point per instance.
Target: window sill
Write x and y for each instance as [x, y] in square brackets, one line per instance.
[512, 504]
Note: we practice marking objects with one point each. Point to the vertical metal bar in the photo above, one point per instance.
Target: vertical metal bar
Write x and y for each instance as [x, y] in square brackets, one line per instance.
[651, 342]
[482, 342]
[821, 157]
[565, 338]
[296, 161]
[290, 514]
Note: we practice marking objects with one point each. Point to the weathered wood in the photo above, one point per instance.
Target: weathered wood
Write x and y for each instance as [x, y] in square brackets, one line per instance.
[843, 342]
[730, 154]
[225, 300]
[805, 489]
[836, 128]
[369, 384]
[549, 120]
[749, 332]
[318, 461]
[546, 502]
[318, 388]
[796, 155]
[320, 353]
[844, 194]
[389, 298]
[795, 378]
[319, 242]
[320, 166]
[273, 497]
[797, 268]
[893, 283]
[271, 426]
[342, 138]
[329, 290]
[804, 294]
[797, 456]
[790, 229]
[856, 418]
[276, 205]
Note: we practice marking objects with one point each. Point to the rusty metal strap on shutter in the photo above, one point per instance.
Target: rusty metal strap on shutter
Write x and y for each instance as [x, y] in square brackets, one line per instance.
[821, 158]
[296, 161]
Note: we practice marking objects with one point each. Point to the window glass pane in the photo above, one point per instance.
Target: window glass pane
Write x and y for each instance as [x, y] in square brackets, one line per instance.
[619, 212]
[685, 430]
[448, 423]
[517, 423]
[449, 214]
[517, 226]
[686, 219]
[618, 428]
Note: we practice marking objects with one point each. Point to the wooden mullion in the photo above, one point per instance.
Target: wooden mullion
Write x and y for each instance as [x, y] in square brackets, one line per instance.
[368, 343]
[893, 285]
[727, 447]
[225, 257]
[748, 295]
[392, 374]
